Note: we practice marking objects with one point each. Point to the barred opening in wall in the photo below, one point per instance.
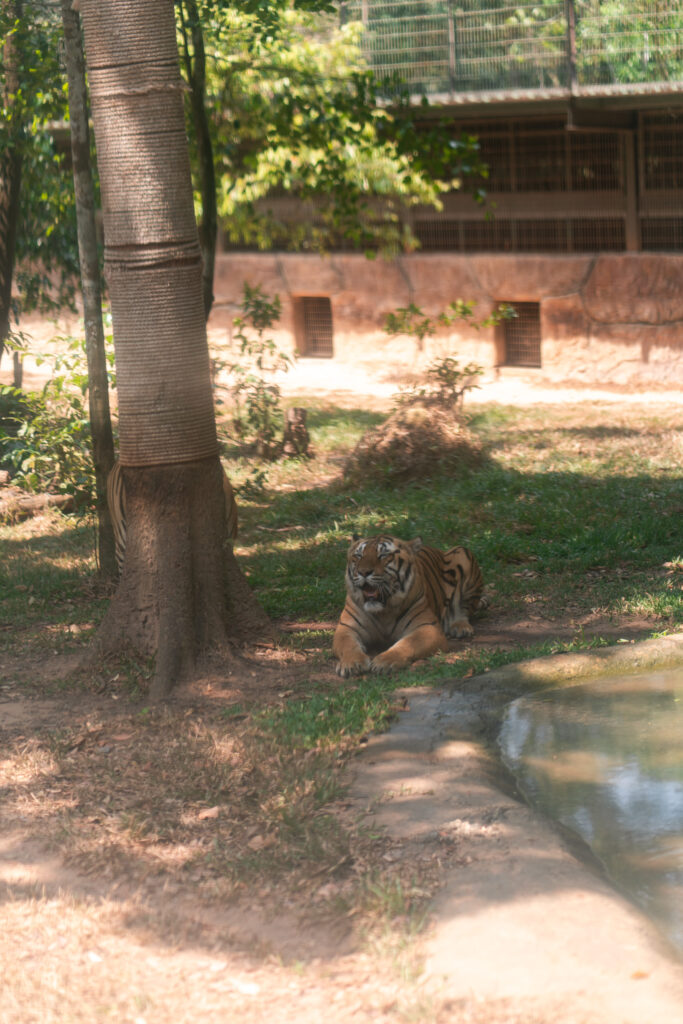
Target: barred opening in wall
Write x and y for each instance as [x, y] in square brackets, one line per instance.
[521, 335]
[315, 318]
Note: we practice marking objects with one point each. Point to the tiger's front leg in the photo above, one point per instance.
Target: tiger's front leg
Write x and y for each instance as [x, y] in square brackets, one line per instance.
[461, 628]
[421, 643]
[458, 624]
[353, 658]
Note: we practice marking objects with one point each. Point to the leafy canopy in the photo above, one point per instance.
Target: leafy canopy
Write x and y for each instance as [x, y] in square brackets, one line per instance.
[296, 113]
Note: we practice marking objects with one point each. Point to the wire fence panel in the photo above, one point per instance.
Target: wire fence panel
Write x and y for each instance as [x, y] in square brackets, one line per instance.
[558, 191]
[509, 47]
[628, 42]
[478, 45]
[549, 190]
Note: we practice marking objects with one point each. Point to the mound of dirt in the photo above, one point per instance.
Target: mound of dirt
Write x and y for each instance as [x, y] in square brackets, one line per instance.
[418, 438]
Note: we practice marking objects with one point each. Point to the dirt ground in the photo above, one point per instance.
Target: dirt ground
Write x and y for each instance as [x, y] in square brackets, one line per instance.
[519, 928]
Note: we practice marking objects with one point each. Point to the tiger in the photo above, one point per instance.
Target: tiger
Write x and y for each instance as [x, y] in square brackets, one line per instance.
[404, 600]
[116, 499]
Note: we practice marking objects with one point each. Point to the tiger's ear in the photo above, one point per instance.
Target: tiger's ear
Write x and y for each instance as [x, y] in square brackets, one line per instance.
[416, 544]
[356, 536]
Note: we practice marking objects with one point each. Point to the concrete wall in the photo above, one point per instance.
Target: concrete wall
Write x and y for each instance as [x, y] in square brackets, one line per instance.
[610, 318]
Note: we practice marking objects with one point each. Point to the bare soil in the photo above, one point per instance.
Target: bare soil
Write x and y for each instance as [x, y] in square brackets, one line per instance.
[439, 897]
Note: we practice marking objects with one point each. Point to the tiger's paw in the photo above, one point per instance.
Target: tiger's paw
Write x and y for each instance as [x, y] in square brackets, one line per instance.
[388, 662]
[461, 629]
[353, 668]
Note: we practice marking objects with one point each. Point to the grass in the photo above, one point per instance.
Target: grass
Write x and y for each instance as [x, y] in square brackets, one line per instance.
[577, 517]
[324, 720]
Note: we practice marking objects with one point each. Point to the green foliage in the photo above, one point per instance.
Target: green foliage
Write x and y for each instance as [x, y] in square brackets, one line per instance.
[45, 437]
[46, 251]
[49, 447]
[253, 488]
[445, 381]
[445, 384]
[520, 46]
[16, 341]
[295, 112]
[411, 320]
[629, 42]
[258, 419]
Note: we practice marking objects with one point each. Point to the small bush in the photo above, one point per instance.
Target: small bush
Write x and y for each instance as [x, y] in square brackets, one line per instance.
[47, 445]
[258, 420]
[426, 432]
[45, 440]
[444, 386]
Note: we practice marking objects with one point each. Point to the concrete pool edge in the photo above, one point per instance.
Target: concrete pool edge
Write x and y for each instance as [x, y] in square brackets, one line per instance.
[522, 925]
[659, 652]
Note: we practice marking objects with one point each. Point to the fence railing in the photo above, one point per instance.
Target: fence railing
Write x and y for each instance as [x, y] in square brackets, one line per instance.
[489, 45]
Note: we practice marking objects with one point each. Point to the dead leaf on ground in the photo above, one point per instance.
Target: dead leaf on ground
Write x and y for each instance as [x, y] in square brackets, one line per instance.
[209, 812]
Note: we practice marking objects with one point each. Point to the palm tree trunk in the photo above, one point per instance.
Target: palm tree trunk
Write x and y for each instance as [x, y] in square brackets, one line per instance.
[173, 597]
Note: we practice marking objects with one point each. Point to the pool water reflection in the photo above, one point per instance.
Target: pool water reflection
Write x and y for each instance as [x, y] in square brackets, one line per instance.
[606, 759]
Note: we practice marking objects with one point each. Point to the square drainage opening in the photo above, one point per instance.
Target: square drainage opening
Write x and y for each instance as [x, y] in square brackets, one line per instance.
[521, 335]
[313, 319]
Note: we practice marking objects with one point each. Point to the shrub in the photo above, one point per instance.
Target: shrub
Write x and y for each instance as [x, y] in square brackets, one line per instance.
[45, 439]
[258, 419]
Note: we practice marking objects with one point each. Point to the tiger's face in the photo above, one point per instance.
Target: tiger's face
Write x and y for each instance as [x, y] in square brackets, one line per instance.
[380, 571]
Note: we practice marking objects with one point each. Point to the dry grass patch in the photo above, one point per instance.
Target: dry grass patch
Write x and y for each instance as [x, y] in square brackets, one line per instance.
[418, 438]
[202, 805]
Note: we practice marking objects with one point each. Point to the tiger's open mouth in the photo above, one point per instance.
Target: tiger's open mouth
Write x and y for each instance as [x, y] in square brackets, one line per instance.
[370, 593]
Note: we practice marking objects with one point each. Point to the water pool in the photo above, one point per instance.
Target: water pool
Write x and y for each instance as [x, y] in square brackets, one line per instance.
[605, 758]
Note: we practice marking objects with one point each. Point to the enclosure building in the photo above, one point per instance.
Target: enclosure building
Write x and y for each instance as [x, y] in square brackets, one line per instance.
[578, 108]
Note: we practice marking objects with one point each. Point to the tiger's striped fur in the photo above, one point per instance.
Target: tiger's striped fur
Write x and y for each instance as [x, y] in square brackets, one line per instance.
[404, 600]
[116, 499]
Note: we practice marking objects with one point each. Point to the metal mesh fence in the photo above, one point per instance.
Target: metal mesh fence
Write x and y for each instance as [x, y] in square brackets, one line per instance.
[604, 234]
[553, 190]
[575, 234]
[660, 174]
[481, 45]
[661, 148]
[633, 41]
[662, 233]
[533, 156]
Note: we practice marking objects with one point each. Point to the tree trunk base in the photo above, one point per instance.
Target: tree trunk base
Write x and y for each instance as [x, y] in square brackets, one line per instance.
[295, 439]
[182, 595]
